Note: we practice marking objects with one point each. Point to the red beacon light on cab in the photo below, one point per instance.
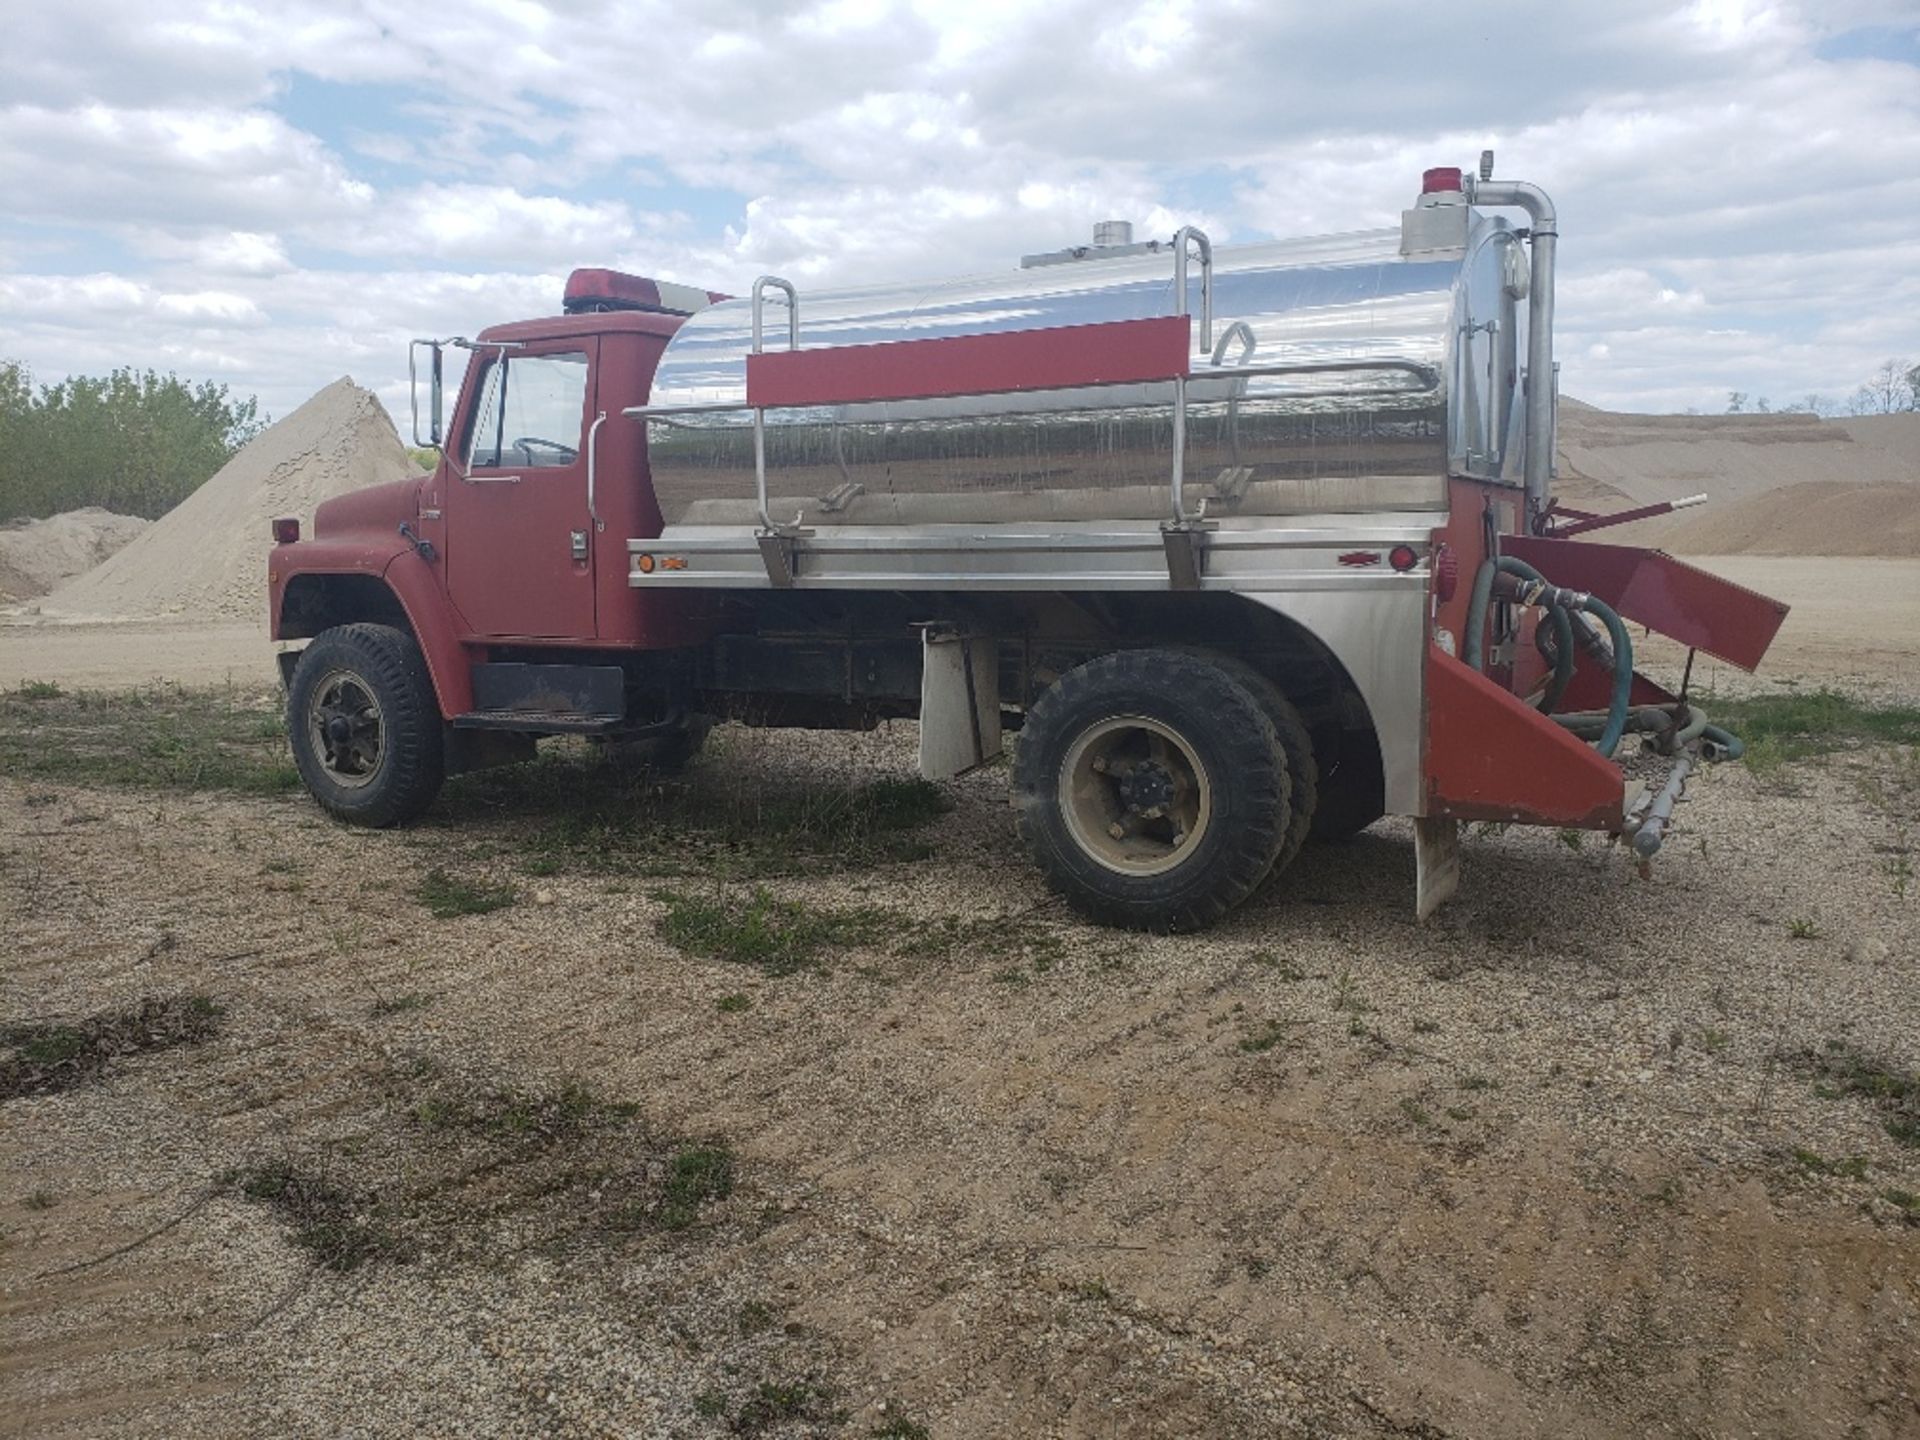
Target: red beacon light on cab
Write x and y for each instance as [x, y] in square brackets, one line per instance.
[593, 290]
[286, 531]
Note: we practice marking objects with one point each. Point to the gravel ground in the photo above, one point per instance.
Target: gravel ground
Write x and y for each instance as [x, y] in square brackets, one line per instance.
[1560, 1162]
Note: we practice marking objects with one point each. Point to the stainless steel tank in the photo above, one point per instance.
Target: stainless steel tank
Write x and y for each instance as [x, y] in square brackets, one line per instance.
[1307, 441]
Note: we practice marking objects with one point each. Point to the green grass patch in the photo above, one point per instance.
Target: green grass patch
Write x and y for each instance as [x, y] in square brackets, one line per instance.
[1854, 1167]
[46, 1057]
[1792, 725]
[756, 928]
[156, 737]
[448, 896]
[1270, 1034]
[577, 811]
[697, 1174]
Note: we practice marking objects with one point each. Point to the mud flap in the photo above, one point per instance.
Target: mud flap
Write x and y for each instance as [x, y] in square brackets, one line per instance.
[959, 703]
[1436, 858]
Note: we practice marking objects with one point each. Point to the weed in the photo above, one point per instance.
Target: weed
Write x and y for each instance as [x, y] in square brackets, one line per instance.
[400, 1004]
[899, 1427]
[1803, 928]
[1093, 1290]
[1905, 1201]
[338, 1229]
[710, 1404]
[1270, 1034]
[1423, 1026]
[1346, 995]
[698, 1173]
[755, 1317]
[447, 896]
[1852, 1168]
[1841, 1070]
[1012, 975]
[995, 937]
[1572, 839]
[774, 1402]
[1417, 1114]
[47, 1058]
[1475, 1081]
[732, 1004]
[1713, 1041]
[36, 690]
[1283, 969]
[779, 936]
[1461, 1112]
[40, 1200]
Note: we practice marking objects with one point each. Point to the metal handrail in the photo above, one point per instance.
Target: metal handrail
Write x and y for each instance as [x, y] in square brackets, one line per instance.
[1184, 239]
[593, 432]
[759, 411]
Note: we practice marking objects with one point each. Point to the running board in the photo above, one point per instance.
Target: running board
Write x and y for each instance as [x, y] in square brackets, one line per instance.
[539, 722]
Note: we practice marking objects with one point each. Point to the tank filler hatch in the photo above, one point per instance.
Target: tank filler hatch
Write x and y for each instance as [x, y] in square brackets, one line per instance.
[1111, 239]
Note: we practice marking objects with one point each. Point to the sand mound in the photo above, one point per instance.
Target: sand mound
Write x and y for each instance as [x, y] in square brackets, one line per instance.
[207, 556]
[1776, 484]
[1820, 517]
[36, 555]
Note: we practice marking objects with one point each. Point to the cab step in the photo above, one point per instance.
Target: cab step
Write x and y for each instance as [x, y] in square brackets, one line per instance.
[539, 722]
[547, 699]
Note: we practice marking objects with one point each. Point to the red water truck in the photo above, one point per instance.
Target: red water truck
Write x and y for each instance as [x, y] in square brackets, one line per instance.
[1252, 546]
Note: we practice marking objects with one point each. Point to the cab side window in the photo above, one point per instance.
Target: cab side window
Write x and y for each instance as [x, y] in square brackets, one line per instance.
[530, 412]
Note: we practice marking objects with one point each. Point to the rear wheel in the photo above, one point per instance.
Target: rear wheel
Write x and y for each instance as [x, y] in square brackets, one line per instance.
[1152, 789]
[1303, 770]
[364, 726]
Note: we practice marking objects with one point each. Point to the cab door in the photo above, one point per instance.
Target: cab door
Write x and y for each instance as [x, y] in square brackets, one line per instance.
[519, 535]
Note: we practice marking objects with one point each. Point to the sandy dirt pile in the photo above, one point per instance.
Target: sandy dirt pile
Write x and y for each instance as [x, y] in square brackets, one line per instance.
[37, 555]
[1777, 484]
[207, 556]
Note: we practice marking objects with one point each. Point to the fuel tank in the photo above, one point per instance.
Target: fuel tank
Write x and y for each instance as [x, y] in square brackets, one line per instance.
[1441, 326]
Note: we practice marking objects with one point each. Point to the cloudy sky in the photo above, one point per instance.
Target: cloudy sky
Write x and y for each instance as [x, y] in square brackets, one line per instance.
[272, 196]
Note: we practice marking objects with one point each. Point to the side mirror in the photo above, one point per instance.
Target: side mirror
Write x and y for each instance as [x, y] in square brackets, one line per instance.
[435, 397]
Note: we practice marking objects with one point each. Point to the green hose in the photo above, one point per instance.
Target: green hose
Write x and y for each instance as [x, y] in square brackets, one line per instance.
[1562, 626]
[1731, 745]
[1472, 651]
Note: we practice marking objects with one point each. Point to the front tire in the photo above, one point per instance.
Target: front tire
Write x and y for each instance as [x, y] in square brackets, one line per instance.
[364, 725]
[1152, 789]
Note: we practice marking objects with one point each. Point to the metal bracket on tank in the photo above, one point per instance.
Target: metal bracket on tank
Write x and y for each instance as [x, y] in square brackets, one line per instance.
[776, 541]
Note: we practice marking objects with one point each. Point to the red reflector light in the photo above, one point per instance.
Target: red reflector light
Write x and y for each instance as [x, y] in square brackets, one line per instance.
[1441, 177]
[1403, 557]
[285, 532]
[1360, 557]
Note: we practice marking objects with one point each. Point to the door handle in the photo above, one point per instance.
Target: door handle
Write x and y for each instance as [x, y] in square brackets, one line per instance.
[593, 432]
[579, 546]
[491, 479]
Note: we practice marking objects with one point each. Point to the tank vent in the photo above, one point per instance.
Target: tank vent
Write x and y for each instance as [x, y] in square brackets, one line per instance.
[1113, 232]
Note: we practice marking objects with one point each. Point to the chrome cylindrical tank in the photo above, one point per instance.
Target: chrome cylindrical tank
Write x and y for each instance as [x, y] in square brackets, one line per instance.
[1340, 439]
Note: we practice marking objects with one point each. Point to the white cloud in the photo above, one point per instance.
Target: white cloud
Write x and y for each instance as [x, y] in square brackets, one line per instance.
[1736, 212]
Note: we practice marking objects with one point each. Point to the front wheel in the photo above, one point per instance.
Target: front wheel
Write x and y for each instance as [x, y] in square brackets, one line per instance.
[364, 725]
[1152, 789]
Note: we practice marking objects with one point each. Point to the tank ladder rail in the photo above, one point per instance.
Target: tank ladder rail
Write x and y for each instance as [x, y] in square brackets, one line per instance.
[775, 540]
[1182, 535]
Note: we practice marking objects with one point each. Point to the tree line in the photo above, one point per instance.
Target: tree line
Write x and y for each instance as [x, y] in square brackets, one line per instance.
[135, 442]
[1893, 389]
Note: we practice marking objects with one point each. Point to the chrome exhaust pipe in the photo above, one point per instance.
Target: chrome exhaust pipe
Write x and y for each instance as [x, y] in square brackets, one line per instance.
[1545, 233]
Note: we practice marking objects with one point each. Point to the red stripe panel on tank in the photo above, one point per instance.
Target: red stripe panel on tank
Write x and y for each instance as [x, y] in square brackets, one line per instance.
[1117, 352]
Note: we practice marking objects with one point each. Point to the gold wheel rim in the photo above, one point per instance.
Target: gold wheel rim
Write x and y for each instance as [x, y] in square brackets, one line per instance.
[1135, 796]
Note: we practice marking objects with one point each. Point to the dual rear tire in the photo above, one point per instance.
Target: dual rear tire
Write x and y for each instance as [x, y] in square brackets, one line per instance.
[1157, 789]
